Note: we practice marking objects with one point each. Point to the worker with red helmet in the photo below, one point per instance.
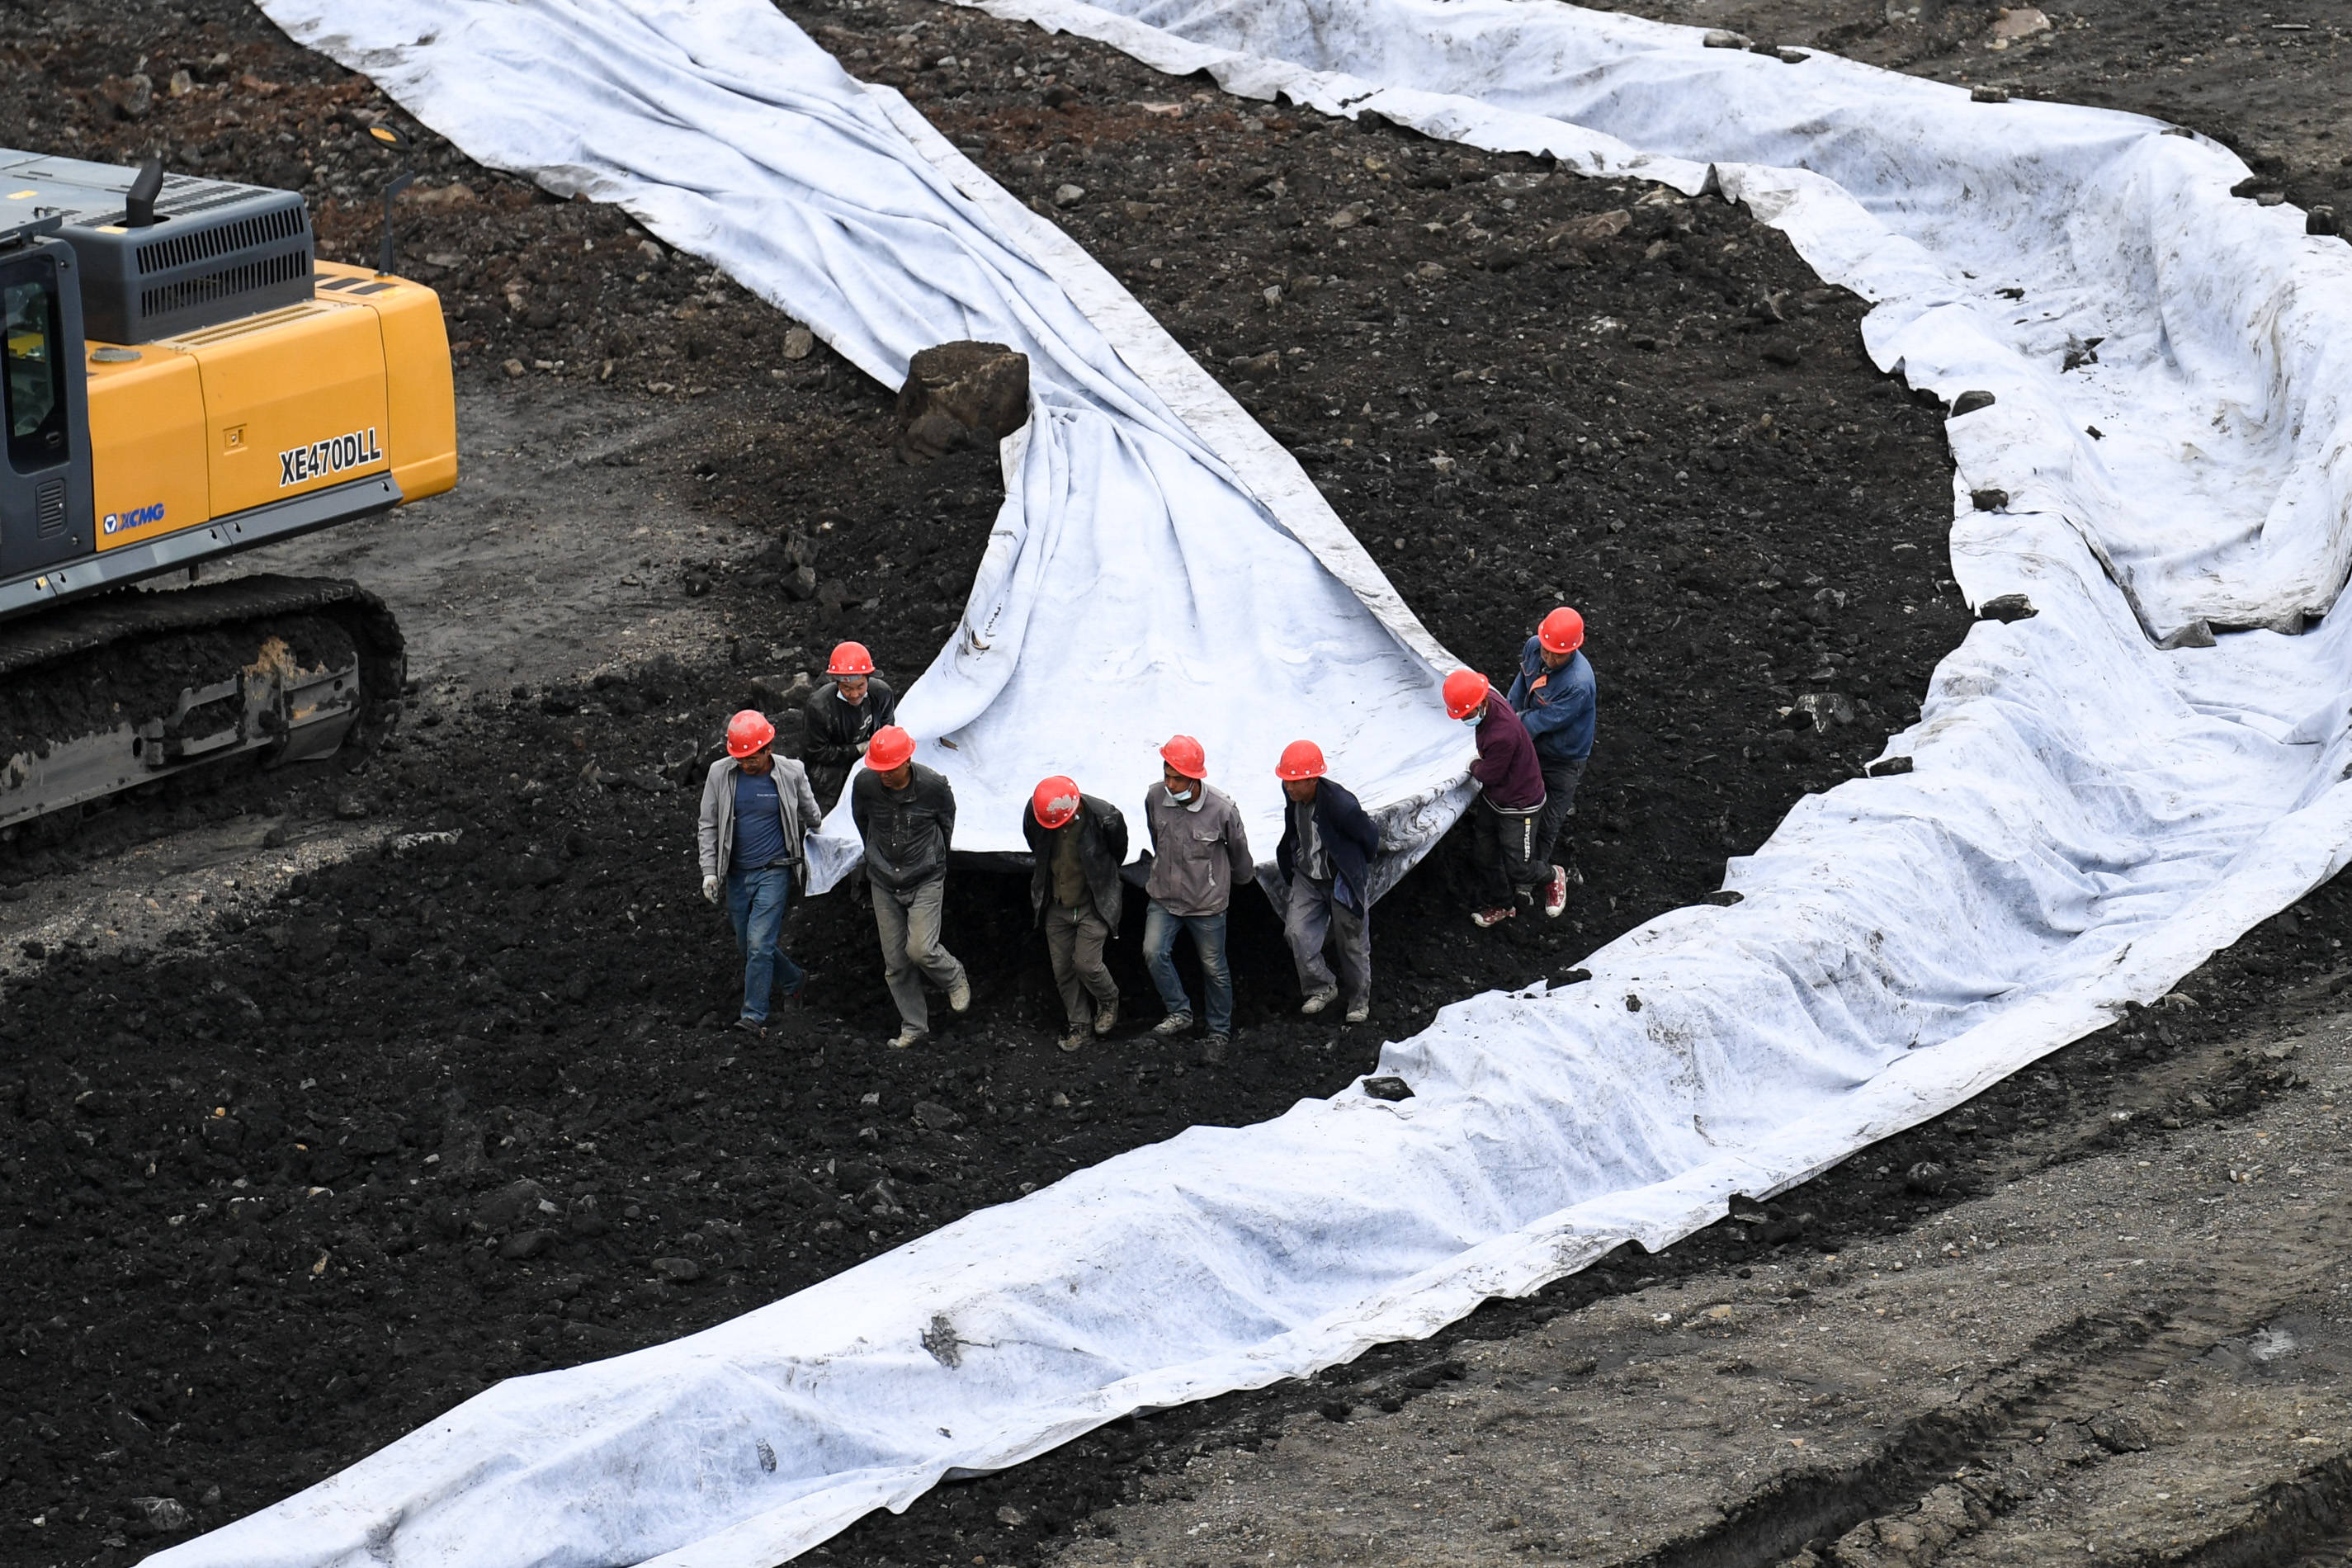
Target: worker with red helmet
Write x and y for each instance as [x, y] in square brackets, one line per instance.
[906, 813]
[1554, 699]
[1511, 796]
[843, 715]
[757, 808]
[1200, 854]
[1326, 856]
[1077, 843]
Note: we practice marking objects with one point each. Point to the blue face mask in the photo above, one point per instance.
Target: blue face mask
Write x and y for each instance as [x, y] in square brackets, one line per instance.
[1473, 719]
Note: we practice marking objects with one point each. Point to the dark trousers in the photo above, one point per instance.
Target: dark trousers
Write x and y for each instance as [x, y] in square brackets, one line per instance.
[1561, 779]
[1312, 916]
[1074, 942]
[1505, 850]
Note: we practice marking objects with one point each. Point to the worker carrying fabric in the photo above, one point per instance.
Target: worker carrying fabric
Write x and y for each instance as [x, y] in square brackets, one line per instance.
[906, 813]
[1326, 855]
[1554, 699]
[1511, 795]
[1199, 853]
[756, 810]
[1079, 842]
[843, 714]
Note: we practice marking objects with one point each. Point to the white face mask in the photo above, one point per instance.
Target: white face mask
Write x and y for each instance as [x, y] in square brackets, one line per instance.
[1175, 799]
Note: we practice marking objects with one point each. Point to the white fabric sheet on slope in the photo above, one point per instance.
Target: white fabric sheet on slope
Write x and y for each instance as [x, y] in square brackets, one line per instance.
[2087, 819]
[1150, 559]
[2228, 353]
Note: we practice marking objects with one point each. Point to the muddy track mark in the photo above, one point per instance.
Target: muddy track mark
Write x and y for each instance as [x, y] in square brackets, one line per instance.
[2075, 1398]
[2304, 1523]
[1920, 1461]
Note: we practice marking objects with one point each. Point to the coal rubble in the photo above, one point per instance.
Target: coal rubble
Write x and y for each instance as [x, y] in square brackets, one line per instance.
[464, 1107]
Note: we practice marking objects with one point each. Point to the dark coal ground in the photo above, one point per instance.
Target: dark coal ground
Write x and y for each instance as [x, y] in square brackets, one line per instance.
[422, 1032]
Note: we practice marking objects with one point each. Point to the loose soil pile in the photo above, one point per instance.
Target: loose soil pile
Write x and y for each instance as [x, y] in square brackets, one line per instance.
[455, 1111]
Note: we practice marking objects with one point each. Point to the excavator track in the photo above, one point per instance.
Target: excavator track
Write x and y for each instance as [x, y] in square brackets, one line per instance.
[123, 691]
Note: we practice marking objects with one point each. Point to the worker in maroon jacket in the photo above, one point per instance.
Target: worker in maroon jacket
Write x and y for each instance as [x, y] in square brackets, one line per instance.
[1511, 796]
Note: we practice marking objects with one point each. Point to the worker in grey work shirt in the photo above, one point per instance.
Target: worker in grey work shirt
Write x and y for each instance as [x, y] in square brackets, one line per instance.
[757, 808]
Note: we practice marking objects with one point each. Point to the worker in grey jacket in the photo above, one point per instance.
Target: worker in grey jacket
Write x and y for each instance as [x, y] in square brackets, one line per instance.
[757, 808]
[1200, 854]
[906, 814]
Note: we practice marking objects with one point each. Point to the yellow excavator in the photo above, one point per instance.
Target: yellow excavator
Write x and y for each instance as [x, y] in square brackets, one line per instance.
[185, 381]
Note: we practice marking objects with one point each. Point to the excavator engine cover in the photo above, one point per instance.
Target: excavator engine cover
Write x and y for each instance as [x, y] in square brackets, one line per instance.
[214, 252]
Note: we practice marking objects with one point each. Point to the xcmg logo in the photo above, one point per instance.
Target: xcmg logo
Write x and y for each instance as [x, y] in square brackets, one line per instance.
[140, 517]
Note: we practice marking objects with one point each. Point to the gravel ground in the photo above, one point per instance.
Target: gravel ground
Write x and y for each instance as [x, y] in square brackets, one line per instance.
[2136, 1354]
[1664, 418]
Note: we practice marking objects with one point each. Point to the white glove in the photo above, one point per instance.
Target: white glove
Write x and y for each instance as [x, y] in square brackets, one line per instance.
[710, 889]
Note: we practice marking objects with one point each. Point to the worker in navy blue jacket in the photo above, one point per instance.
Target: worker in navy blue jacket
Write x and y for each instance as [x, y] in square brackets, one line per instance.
[1554, 698]
[1326, 854]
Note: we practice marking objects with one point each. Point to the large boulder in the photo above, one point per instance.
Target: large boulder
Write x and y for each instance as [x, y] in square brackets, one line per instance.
[961, 397]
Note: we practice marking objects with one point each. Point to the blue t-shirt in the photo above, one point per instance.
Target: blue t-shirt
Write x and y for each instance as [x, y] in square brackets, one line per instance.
[759, 823]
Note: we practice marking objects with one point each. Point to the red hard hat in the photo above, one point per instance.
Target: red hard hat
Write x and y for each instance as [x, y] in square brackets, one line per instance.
[1300, 760]
[1184, 755]
[850, 659]
[890, 747]
[1562, 631]
[1055, 800]
[747, 733]
[1465, 692]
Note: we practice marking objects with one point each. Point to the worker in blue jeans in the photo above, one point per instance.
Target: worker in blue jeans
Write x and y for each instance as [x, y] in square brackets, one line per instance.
[757, 808]
[1198, 855]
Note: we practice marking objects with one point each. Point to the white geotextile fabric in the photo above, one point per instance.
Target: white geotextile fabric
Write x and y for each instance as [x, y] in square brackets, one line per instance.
[1157, 551]
[2088, 818]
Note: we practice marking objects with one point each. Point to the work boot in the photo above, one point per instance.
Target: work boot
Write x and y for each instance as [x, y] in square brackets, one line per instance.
[1077, 1035]
[1173, 1025]
[1482, 918]
[1320, 1000]
[1360, 1009]
[1105, 1016]
[1555, 897]
[908, 1035]
[960, 993]
[755, 1027]
[1213, 1049]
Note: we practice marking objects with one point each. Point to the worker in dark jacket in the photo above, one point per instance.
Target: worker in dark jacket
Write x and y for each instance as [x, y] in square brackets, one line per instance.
[1079, 842]
[1511, 796]
[906, 814]
[842, 716]
[1554, 699]
[1326, 856]
[756, 812]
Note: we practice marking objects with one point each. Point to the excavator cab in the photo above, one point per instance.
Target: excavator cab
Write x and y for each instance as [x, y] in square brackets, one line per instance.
[46, 485]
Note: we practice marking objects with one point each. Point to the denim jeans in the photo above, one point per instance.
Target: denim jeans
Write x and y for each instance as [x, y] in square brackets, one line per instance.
[1159, 928]
[756, 901]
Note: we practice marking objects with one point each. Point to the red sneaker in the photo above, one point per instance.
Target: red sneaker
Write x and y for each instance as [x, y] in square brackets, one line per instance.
[1556, 895]
[1484, 918]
